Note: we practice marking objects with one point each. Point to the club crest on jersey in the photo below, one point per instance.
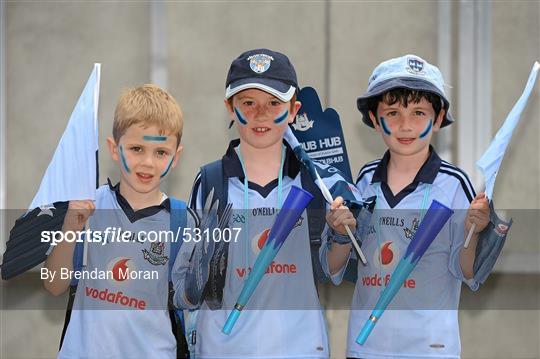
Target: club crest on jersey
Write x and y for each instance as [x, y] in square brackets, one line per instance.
[415, 66]
[299, 222]
[46, 210]
[409, 232]
[259, 63]
[156, 254]
[501, 229]
[302, 123]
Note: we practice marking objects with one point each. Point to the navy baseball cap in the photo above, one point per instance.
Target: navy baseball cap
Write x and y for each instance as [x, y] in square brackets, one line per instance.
[265, 70]
[410, 72]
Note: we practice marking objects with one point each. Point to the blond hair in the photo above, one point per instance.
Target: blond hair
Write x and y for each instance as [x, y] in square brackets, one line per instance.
[148, 105]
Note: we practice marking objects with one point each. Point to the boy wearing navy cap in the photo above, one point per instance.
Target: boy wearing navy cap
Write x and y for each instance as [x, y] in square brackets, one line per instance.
[406, 104]
[283, 318]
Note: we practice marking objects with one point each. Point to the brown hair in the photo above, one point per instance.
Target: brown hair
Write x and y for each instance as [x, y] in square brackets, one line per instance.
[404, 97]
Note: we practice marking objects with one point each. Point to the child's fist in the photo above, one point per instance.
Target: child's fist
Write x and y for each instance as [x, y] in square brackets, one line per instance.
[77, 214]
[340, 216]
[478, 213]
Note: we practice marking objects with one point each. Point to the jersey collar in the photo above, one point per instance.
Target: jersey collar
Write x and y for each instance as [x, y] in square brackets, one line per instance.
[427, 173]
[131, 214]
[233, 168]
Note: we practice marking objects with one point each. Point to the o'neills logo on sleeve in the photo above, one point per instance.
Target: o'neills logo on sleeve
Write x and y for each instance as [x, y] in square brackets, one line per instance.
[115, 297]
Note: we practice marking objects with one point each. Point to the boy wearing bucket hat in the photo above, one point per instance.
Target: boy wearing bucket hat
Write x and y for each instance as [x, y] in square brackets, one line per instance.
[283, 318]
[406, 104]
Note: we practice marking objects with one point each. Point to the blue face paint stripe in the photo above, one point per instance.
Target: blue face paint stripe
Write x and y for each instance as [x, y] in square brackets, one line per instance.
[168, 168]
[240, 116]
[155, 138]
[123, 159]
[427, 129]
[281, 117]
[385, 128]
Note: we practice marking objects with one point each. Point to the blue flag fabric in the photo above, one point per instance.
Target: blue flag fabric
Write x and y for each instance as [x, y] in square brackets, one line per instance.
[332, 177]
[491, 160]
[72, 172]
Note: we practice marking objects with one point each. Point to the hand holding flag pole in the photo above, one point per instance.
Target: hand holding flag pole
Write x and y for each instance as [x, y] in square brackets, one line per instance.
[308, 162]
[491, 160]
[328, 197]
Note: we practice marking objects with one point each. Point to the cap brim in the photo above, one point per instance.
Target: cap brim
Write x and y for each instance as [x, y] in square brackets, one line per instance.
[401, 82]
[281, 90]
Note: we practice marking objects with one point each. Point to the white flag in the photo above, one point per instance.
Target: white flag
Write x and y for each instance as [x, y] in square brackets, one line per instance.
[71, 174]
[491, 160]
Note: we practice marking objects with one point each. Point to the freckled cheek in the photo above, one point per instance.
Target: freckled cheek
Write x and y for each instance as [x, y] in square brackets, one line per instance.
[246, 114]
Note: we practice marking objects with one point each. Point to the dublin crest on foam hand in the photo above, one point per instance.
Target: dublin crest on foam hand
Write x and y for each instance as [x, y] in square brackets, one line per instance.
[302, 123]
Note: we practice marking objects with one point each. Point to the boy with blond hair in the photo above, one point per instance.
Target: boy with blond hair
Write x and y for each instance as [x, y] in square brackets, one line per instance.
[120, 306]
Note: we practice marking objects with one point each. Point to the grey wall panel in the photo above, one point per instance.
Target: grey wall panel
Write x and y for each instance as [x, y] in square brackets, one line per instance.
[516, 45]
[204, 39]
[50, 51]
[50, 48]
[363, 35]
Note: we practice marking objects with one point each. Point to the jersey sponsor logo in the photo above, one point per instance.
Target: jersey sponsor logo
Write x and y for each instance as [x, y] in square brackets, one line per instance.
[257, 243]
[259, 240]
[379, 281]
[120, 268]
[274, 268]
[115, 297]
[259, 63]
[155, 255]
[302, 123]
[386, 256]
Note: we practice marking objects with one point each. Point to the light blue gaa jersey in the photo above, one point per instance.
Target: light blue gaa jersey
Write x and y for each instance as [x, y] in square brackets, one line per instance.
[422, 320]
[283, 318]
[123, 316]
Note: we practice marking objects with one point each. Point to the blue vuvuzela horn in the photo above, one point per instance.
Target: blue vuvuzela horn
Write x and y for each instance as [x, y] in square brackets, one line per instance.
[436, 217]
[295, 203]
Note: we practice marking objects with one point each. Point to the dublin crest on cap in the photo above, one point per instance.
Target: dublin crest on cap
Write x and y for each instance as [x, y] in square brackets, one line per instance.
[263, 69]
[409, 72]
